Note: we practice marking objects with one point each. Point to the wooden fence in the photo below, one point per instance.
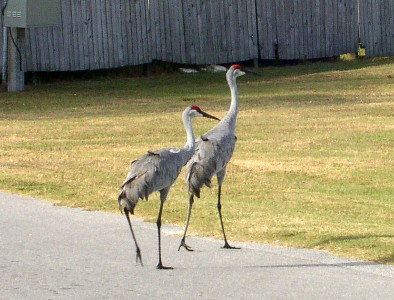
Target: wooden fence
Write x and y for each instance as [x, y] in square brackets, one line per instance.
[101, 34]
[377, 27]
[94, 34]
[304, 29]
[204, 32]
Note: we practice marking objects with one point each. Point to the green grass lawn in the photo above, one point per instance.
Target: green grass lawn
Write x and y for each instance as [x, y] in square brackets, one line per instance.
[313, 165]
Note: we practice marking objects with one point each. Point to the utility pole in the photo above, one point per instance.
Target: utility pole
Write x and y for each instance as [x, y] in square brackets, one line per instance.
[16, 50]
[19, 15]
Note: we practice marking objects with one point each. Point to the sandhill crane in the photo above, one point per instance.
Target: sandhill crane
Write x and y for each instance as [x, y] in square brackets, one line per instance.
[157, 171]
[213, 151]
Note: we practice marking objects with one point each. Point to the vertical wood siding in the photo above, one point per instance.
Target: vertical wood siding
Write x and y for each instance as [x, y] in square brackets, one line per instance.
[304, 29]
[203, 32]
[102, 34]
[377, 27]
[94, 34]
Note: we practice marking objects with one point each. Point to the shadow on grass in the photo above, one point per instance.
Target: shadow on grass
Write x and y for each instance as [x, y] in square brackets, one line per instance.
[389, 259]
[350, 238]
[285, 69]
[319, 265]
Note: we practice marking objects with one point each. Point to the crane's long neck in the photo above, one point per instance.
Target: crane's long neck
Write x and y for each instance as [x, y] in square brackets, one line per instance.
[231, 116]
[188, 150]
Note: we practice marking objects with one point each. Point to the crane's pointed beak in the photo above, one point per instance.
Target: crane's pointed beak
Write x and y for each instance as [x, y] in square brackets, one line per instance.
[251, 72]
[204, 114]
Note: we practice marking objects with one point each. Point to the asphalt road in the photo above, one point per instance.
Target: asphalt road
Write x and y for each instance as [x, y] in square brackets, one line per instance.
[52, 252]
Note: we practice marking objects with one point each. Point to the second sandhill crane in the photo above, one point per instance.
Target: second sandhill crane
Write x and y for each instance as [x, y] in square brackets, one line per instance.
[213, 151]
[157, 171]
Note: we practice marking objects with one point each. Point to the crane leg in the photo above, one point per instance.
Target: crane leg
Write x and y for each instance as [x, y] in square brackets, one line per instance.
[183, 243]
[158, 223]
[138, 255]
[219, 206]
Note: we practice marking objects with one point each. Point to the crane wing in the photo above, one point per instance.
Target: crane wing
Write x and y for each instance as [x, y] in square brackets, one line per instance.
[211, 156]
[152, 172]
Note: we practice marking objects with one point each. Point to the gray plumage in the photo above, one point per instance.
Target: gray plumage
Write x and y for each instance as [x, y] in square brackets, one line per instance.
[213, 152]
[157, 171]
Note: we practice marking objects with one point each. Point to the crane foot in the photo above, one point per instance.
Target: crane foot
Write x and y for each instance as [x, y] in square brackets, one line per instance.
[227, 246]
[138, 257]
[184, 245]
[161, 267]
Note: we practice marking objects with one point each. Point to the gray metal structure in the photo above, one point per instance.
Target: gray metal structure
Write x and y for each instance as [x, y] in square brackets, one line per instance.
[213, 151]
[32, 13]
[18, 15]
[157, 171]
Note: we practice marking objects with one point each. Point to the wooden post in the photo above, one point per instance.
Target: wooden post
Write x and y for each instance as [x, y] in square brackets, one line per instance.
[16, 74]
[147, 70]
[4, 54]
[256, 64]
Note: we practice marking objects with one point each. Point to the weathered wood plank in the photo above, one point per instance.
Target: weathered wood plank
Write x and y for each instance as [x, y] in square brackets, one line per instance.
[390, 30]
[123, 56]
[200, 55]
[375, 34]
[181, 22]
[281, 32]
[291, 44]
[313, 29]
[191, 31]
[328, 27]
[251, 34]
[134, 32]
[298, 36]
[87, 30]
[108, 35]
[354, 28]
[1, 37]
[81, 38]
[144, 33]
[73, 36]
[30, 51]
[222, 32]
[272, 30]
[215, 31]
[318, 36]
[98, 35]
[67, 35]
[153, 20]
[163, 40]
[208, 34]
[117, 40]
[173, 16]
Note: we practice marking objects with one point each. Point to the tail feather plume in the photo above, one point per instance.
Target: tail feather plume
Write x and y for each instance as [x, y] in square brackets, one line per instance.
[197, 177]
[128, 196]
